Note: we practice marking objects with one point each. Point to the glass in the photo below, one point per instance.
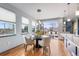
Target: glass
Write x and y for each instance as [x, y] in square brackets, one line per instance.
[24, 28]
[1, 27]
[33, 28]
[51, 23]
[7, 27]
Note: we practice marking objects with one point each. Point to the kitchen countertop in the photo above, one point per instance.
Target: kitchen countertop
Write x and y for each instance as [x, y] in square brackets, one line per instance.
[72, 37]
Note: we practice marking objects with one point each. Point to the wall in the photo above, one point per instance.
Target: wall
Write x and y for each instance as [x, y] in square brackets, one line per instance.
[12, 41]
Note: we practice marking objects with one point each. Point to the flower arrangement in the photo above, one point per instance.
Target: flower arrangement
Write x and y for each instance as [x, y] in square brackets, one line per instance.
[38, 33]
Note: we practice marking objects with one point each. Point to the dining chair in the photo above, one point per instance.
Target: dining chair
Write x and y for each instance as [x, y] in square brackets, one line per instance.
[28, 42]
[46, 47]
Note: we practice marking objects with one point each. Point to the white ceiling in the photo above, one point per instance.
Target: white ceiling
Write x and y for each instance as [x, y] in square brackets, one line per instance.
[49, 10]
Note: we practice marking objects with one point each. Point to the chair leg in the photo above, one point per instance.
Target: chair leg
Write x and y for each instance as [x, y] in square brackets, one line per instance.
[44, 52]
[25, 48]
[49, 51]
[33, 48]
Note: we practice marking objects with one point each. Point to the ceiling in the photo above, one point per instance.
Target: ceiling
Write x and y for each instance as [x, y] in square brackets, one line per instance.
[48, 10]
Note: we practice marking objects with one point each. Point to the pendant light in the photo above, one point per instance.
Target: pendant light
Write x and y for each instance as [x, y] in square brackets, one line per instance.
[39, 22]
[64, 19]
[68, 18]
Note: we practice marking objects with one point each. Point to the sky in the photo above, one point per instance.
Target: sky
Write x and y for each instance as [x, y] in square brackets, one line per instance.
[47, 24]
[8, 25]
[50, 23]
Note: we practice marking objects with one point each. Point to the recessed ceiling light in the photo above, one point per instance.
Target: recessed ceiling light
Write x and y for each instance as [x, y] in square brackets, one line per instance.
[68, 3]
[38, 10]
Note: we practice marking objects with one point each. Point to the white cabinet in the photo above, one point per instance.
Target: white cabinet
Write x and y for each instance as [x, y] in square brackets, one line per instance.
[71, 47]
[65, 42]
[69, 44]
[77, 51]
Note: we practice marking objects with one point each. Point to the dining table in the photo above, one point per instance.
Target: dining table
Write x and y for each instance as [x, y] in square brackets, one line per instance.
[38, 45]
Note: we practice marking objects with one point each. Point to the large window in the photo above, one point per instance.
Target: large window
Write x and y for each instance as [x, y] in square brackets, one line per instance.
[7, 27]
[7, 22]
[33, 26]
[51, 24]
[25, 23]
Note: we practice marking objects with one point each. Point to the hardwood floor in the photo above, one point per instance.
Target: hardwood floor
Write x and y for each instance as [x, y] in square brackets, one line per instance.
[57, 49]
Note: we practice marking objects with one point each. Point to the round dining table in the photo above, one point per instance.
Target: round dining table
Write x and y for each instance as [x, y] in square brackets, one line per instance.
[37, 42]
[39, 39]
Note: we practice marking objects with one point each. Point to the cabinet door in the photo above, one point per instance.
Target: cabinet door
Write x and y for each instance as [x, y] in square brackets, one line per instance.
[71, 47]
[77, 51]
[65, 42]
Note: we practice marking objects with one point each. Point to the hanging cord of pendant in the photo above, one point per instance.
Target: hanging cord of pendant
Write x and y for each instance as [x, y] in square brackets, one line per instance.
[68, 9]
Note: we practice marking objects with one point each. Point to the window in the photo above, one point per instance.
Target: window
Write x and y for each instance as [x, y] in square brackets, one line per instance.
[25, 23]
[6, 15]
[7, 28]
[33, 26]
[7, 22]
[24, 28]
[51, 23]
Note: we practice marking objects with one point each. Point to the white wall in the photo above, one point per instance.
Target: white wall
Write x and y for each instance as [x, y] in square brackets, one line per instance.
[12, 41]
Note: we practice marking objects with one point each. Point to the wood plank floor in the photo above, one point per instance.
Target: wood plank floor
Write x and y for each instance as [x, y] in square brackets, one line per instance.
[57, 49]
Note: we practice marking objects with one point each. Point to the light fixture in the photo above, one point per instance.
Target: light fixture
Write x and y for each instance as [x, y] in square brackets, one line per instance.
[36, 23]
[77, 13]
[39, 22]
[68, 18]
[38, 10]
[64, 22]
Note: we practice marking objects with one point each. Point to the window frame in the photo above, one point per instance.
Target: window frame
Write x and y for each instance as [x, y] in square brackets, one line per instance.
[8, 21]
[25, 25]
[4, 34]
[25, 31]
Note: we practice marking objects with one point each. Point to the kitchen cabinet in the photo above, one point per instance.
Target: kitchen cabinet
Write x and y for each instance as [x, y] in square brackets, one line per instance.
[77, 51]
[71, 47]
[65, 42]
[71, 44]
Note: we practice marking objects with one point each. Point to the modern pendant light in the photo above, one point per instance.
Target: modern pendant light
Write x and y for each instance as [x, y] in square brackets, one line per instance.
[64, 22]
[68, 18]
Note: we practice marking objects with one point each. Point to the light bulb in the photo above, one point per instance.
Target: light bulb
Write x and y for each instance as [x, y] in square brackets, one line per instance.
[39, 22]
[68, 20]
[64, 22]
[36, 23]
